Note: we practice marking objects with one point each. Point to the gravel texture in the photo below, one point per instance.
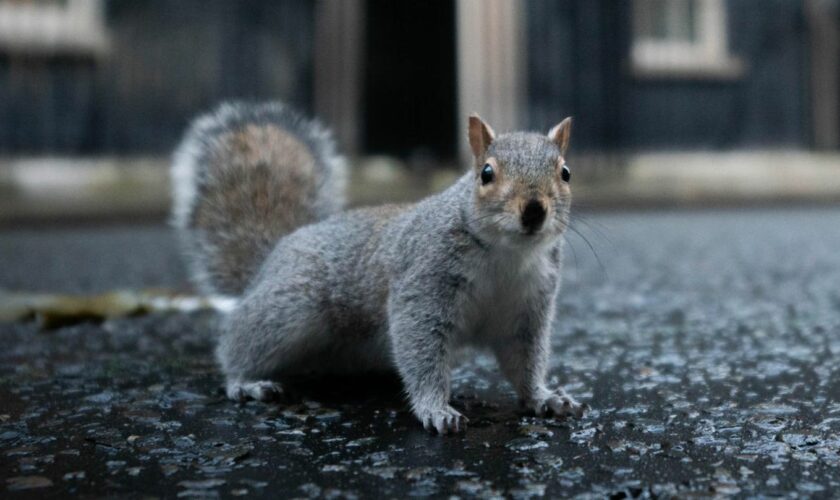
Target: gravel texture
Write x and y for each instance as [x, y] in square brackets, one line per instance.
[705, 342]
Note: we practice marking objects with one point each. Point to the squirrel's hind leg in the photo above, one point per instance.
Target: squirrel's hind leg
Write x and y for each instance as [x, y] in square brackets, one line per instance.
[271, 332]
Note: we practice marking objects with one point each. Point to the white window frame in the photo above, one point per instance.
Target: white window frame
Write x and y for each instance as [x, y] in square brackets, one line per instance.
[707, 56]
[76, 27]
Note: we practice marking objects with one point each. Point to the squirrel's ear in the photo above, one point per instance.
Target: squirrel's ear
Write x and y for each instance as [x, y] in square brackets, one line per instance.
[561, 133]
[480, 134]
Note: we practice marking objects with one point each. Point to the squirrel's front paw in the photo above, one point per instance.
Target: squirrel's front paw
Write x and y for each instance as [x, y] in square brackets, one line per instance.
[558, 403]
[446, 420]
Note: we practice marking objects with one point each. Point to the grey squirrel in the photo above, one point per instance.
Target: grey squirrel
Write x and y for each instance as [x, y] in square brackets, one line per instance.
[258, 194]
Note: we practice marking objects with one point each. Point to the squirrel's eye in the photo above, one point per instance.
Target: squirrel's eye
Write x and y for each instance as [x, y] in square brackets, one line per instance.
[566, 174]
[487, 174]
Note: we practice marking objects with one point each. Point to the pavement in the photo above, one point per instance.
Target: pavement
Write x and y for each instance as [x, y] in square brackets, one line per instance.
[706, 343]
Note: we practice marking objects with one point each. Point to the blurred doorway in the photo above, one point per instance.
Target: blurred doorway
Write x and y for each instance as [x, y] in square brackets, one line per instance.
[409, 85]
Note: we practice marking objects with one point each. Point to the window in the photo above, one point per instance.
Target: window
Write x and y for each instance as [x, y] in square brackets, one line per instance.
[682, 38]
[52, 26]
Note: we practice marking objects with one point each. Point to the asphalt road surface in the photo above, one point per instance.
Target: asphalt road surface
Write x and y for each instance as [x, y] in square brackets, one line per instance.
[705, 342]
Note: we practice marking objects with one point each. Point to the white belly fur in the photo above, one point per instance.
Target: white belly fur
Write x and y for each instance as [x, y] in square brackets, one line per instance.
[498, 293]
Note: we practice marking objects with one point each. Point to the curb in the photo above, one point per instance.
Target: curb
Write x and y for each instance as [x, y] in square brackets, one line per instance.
[66, 190]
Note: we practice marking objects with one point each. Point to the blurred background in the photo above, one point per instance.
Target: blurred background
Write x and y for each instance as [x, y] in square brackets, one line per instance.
[675, 101]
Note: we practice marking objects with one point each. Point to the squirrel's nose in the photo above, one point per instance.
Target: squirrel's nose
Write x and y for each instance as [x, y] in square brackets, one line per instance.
[533, 216]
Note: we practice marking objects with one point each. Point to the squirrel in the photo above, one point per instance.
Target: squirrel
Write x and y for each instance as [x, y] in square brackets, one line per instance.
[258, 207]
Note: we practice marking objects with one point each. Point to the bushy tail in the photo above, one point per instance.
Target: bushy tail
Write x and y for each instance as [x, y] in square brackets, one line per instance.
[245, 175]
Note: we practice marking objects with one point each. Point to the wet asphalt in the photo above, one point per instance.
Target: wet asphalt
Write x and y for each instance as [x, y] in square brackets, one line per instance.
[706, 343]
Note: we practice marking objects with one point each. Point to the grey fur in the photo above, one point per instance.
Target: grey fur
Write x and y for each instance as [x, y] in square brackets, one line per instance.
[400, 287]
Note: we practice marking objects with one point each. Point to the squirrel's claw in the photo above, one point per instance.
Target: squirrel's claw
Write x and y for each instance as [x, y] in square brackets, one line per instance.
[559, 404]
[444, 421]
[261, 390]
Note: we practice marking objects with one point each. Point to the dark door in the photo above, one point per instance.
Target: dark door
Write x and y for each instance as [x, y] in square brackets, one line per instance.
[409, 97]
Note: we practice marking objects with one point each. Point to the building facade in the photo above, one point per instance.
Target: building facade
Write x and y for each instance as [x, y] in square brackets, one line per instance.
[105, 77]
